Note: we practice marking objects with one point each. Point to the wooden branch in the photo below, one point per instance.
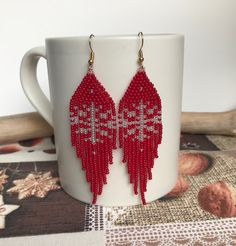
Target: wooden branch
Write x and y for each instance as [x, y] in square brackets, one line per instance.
[31, 125]
[209, 123]
[14, 128]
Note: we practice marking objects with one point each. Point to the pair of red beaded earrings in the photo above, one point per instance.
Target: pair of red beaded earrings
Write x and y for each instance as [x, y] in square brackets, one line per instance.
[94, 127]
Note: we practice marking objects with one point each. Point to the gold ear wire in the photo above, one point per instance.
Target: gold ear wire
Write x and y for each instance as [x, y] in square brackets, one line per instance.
[141, 58]
[91, 59]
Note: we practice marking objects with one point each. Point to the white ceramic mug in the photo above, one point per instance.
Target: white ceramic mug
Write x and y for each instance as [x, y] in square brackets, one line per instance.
[115, 64]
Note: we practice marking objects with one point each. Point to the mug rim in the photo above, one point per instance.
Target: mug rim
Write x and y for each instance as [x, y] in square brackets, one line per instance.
[117, 36]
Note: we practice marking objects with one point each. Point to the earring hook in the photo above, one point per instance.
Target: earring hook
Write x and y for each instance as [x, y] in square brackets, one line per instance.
[141, 58]
[91, 59]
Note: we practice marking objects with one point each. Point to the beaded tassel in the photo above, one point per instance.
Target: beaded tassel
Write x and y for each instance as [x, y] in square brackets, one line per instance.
[140, 129]
[93, 130]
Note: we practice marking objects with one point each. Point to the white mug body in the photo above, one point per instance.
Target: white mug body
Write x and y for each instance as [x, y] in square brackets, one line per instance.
[115, 64]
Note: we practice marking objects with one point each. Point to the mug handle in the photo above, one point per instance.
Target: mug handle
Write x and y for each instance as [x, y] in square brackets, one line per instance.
[29, 82]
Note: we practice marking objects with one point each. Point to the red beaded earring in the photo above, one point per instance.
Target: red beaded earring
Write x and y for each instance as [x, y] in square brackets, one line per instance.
[93, 128]
[140, 127]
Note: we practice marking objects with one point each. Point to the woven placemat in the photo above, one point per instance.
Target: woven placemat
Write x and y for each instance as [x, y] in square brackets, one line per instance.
[167, 221]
